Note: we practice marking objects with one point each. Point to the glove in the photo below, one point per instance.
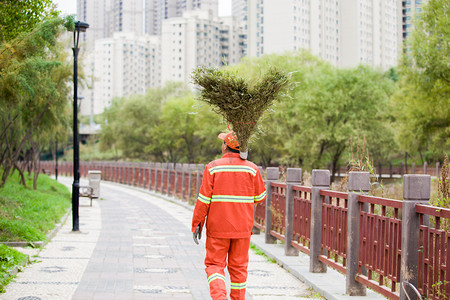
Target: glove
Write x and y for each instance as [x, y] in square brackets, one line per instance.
[197, 234]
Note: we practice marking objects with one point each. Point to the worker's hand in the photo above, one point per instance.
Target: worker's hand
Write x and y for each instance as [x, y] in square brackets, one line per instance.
[197, 234]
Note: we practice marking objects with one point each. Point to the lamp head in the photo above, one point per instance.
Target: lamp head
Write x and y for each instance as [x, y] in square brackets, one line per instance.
[81, 26]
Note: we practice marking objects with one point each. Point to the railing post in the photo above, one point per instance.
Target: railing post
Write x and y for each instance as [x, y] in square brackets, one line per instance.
[170, 168]
[320, 181]
[185, 168]
[190, 179]
[416, 190]
[151, 166]
[200, 169]
[438, 164]
[293, 177]
[157, 170]
[256, 230]
[358, 182]
[390, 169]
[425, 166]
[272, 174]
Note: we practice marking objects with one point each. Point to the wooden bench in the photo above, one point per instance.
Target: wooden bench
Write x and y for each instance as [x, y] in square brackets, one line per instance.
[86, 191]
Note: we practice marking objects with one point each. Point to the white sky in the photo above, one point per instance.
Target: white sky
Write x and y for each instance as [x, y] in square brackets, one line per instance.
[70, 7]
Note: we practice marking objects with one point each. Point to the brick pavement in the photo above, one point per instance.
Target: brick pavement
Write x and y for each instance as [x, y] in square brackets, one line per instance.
[135, 245]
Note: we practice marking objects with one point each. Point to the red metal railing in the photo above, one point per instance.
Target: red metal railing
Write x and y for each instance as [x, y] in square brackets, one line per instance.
[179, 187]
[193, 195]
[186, 187]
[278, 210]
[380, 245]
[302, 218]
[165, 180]
[334, 229]
[434, 252]
[260, 215]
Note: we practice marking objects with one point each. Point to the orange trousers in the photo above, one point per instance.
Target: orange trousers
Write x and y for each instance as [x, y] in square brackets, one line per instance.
[217, 250]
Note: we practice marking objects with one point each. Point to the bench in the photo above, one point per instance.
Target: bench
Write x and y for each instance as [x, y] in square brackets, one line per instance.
[86, 191]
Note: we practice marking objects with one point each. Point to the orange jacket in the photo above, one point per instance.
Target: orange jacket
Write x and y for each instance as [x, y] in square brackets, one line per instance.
[230, 187]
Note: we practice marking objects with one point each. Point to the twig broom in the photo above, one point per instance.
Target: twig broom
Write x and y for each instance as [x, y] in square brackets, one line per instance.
[240, 103]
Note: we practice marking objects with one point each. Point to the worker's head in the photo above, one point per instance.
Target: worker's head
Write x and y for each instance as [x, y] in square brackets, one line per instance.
[230, 142]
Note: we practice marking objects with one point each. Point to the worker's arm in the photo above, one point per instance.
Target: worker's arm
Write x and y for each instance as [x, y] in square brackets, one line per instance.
[260, 188]
[203, 201]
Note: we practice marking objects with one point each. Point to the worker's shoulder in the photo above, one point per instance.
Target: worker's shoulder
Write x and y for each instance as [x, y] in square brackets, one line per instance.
[236, 161]
[250, 164]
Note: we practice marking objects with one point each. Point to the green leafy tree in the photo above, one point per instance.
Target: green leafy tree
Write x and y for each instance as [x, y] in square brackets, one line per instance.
[134, 125]
[33, 93]
[18, 16]
[423, 100]
[313, 123]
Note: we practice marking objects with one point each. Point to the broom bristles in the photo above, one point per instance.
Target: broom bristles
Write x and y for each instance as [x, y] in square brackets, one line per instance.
[240, 103]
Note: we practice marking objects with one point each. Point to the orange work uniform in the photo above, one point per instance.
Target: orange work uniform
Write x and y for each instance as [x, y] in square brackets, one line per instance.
[230, 187]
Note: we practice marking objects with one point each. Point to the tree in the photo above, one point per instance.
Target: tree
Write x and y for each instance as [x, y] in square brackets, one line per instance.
[33, 92]
[423, 100]
[18, 16]
[136, 125]
[312, 124]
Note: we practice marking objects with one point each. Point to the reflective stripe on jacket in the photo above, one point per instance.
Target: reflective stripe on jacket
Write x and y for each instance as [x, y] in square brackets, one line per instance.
[230, 187]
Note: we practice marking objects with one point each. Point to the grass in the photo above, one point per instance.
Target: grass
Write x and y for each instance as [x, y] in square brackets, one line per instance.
[9, 259]
[27, 215]
[260, 252]
[314, 294]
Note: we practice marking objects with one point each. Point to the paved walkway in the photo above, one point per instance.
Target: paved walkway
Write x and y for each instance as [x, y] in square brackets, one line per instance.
[135, 245]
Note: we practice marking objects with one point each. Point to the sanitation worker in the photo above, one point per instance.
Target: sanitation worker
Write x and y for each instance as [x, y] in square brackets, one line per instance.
[230, 188]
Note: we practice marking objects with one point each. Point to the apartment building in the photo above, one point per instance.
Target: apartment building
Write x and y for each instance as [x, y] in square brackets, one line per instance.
[189, 41]
[125, 64]
[156, 11]
[345, 33]
[407, 9]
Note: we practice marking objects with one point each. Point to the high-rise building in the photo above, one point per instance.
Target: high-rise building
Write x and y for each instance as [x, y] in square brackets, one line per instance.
[126, 16]
[407, 9]
[199, 38]
[93, 12]
[125, 64]
[345, 33]
[156, 11]
[189, 41]
[369, 33]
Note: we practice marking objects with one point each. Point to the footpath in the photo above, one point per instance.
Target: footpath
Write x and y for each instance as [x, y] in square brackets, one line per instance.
[134, 244]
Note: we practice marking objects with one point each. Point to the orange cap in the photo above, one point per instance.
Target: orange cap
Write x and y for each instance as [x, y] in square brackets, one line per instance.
[230, 139]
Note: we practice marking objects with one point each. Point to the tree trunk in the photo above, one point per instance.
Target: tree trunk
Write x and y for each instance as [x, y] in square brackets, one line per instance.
[36, 164]
[15, 156]
[22, 177]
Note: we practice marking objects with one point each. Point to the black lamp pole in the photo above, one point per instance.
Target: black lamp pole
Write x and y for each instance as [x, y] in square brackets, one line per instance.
[79, 27]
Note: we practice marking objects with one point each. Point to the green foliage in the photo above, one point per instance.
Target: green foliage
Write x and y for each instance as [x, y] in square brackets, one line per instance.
[309, 127]
[28, 215]
[312, 124]
[442, 198]
[19, 16]
[241, 101]
[162, 125]
[9, 259]
[34, 76]
[422, 104]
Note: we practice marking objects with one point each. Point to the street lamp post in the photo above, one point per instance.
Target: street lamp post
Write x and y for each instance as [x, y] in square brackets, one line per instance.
[79, 27]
